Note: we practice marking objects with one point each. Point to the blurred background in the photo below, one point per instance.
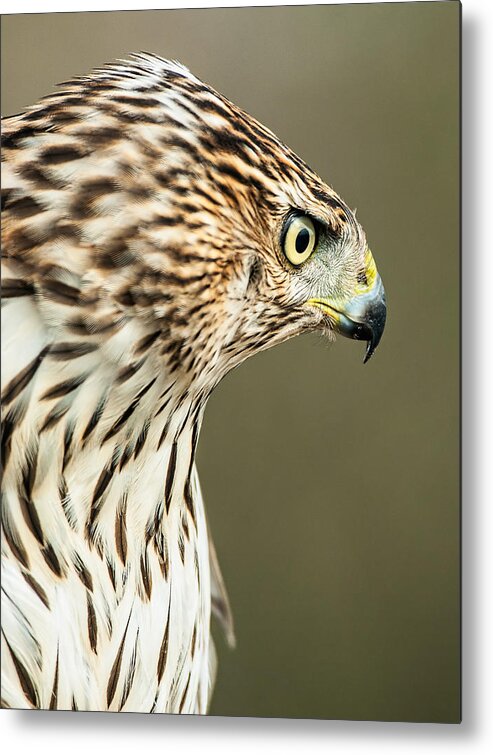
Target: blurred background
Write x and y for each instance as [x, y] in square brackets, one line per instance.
[332, 487]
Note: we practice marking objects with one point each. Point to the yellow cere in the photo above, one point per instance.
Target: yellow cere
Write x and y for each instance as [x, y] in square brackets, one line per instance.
[370, 272]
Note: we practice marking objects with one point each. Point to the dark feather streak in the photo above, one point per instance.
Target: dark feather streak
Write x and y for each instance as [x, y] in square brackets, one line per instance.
[131, 674]
[24, 207]
[128, 372]
[146, 575]
[94, 419]
[13, 539]
[61, 153]
[92, 625]
[170, 475]
[61, 292]
[115, 669]
[121, 534]
[83, 573]
[36, 587]
[54, 417]
[145, 342]
[63, 388]
[26, 682]
[54, 691]
[66, 350]
[163, 652]
[31, 518]
[8, 426]
[14, 287]
[183, 698]
[23, 378]
[52, 560]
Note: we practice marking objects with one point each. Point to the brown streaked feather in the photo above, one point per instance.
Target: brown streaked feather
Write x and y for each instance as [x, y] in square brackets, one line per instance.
[13, 287]
[31, 518]
[54, 692]
[63, 388]
[170, 476]
[83, 573]
[66, 350]
[12, 537]
[146, 574]
[36, 587]
[121, 533]
[52, 561]
[61, 292]
[25, 680]
[185, 692]
[92, 624]
[22, 379]
[115, 669]
[130, 674]
[163, 652]
[56, 414]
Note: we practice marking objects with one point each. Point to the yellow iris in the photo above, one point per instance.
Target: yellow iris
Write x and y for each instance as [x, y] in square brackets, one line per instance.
[300, 240]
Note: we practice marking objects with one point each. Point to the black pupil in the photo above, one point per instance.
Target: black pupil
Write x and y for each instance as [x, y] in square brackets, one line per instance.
[302, 240]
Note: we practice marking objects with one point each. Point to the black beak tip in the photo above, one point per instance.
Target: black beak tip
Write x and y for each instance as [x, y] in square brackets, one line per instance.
[370, 348]
[376, 325]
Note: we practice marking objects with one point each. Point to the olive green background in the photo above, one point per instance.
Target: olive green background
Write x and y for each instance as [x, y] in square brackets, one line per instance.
[332, 487]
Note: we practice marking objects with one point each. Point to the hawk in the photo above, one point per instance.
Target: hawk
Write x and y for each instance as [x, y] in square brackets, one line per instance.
[154, 237]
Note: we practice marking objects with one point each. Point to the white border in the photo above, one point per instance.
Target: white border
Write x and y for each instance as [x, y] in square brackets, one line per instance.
[82, 733]
[53, 6]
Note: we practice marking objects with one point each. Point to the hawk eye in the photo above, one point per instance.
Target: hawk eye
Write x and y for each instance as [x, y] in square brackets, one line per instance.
[299, 239]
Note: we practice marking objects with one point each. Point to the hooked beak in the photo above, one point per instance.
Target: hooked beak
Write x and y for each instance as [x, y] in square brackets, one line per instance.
[361, 317]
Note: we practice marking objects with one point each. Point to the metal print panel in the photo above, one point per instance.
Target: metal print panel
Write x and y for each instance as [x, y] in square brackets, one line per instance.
[157, 233]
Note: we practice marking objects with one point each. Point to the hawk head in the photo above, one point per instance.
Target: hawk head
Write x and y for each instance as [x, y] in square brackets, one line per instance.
[164, 204]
